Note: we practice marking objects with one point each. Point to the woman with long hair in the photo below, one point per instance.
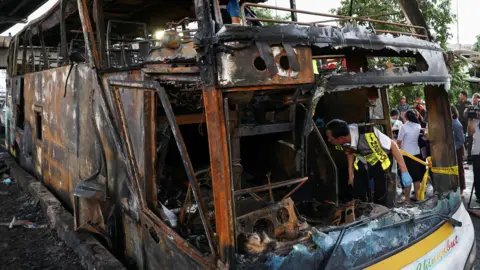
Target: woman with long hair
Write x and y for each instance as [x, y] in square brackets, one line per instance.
[408, 141]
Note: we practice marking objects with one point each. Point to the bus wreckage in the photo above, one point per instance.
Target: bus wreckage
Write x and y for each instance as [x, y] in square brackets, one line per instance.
[198, 149]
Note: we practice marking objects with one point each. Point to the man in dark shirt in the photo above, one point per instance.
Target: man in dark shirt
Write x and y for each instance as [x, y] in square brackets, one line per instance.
[462, 104]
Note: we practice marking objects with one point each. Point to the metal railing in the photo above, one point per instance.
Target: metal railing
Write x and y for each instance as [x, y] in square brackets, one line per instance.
[337, 18]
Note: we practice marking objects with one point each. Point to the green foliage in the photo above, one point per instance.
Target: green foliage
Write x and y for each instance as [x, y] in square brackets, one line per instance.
[438, 16]
[476, 46]
[264, 13]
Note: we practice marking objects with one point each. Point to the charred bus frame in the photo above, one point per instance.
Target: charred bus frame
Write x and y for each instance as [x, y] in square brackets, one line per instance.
[99, 136]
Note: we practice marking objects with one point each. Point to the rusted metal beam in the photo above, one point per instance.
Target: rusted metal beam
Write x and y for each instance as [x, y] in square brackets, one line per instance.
[98, 17]
[46, 64]
[414, 16]
[262, 129]
[188, 167]
[192, 118]
[155, 86]
[271, 186]
[221, 180]
[63, 32]
[440, 136]
[90, 44]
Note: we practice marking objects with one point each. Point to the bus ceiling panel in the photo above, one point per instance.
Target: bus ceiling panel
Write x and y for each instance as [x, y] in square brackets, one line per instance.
[16, 11]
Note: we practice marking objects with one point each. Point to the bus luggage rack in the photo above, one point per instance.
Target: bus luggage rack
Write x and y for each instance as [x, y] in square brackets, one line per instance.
[337, 18]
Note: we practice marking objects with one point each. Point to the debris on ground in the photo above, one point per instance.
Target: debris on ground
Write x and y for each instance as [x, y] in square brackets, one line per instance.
[26, 242]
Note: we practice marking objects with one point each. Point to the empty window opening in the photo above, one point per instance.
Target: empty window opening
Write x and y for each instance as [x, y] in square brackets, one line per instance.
[20, 105]
[38, 123]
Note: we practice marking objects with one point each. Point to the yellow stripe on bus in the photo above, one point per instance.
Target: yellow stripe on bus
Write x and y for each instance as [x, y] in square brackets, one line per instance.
[416, 251]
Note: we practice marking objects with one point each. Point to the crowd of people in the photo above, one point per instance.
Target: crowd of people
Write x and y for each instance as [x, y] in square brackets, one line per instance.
[370, 152]
[409, 126]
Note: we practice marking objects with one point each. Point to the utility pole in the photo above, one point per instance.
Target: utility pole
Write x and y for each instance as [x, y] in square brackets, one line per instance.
[458, 27]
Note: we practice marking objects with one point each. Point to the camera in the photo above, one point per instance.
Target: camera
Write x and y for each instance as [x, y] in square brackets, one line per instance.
[472, 112]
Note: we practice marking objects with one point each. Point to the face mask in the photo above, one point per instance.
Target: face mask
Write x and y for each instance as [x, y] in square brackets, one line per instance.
[393, 121]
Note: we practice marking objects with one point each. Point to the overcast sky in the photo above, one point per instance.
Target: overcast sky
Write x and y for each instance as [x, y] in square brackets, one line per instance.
[468, 13]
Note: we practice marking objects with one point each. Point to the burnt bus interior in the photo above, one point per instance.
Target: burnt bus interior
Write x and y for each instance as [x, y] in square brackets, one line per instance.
[285, 177]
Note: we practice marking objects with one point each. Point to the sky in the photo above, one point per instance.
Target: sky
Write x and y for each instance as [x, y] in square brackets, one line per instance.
[468, 11]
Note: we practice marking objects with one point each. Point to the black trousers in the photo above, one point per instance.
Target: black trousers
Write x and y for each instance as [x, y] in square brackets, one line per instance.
[476, 174]
[361, 186]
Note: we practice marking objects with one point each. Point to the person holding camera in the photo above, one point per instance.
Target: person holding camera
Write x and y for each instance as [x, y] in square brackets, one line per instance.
[472, 114]
[421, 112]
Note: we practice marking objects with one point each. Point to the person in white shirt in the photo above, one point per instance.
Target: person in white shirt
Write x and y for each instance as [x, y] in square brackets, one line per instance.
[474, 132]
[408, 141]
[396, 122]
[368, 143]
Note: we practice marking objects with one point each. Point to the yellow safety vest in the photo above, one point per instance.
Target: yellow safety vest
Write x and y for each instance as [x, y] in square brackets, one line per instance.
[377, 154]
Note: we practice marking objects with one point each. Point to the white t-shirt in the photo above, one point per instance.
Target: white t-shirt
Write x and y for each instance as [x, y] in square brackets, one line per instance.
[476, 138]
[408, 134]
[397, 125]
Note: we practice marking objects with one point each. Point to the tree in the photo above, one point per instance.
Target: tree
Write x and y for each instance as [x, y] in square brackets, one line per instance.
[438, 16]
[264, 13]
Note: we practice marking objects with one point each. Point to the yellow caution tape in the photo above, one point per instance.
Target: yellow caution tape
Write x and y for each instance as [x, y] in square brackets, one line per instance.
[453, 170]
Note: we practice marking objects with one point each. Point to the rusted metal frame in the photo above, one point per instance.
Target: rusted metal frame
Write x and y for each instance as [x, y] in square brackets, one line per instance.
[280, 21]
[155, 86]
[220, 166]
[24, 53]
[177, 77]
[219, 157]
[150, 149]
[361, 17]
[188, 167]
[90, 44]
[293, 190]
[260, 88]
[193, 118]
[32, 53]
[262, 129]
[229, 145]
[46, 64]
[16, 40]
[181, 243]
[63, 32]
[242, 10]
[271, 186]
[98, 17]
[132, 161]
[440, 136]
[293, 5]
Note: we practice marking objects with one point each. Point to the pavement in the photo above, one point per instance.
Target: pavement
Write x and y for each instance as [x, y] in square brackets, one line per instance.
[474, 204]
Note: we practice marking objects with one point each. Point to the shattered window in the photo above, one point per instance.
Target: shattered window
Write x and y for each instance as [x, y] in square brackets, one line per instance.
[368, 238]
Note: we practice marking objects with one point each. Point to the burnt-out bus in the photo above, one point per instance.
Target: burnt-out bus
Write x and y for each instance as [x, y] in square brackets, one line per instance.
[187, 135]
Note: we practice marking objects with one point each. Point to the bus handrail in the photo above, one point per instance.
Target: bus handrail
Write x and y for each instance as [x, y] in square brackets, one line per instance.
[337, 17]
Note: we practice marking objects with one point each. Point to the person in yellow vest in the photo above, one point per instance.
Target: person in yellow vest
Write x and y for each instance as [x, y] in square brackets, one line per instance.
[366, 146]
